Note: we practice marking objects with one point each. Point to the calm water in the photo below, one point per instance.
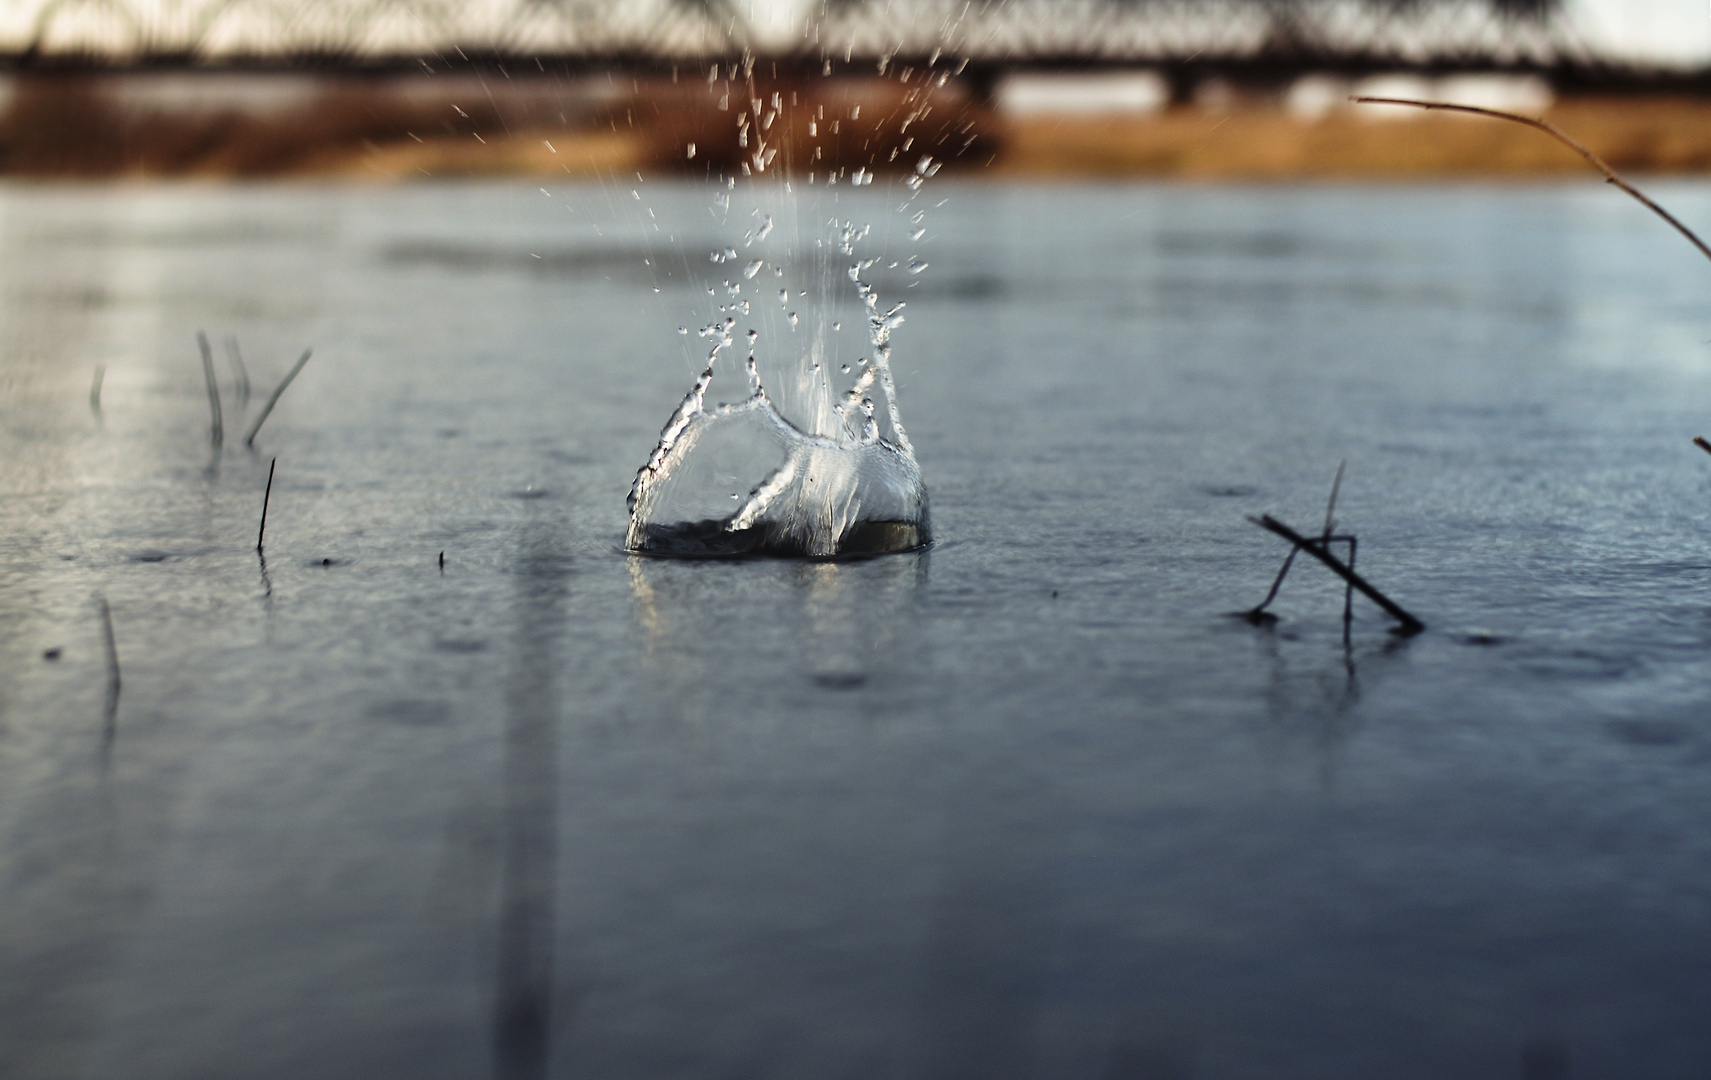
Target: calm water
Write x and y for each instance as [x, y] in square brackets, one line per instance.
[1029, 804]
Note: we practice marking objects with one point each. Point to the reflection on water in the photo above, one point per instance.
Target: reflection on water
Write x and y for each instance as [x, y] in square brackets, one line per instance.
[844, 623]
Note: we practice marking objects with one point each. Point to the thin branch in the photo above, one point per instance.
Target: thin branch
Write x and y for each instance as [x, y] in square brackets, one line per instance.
[219, 427]
[1558, 134]
[273, 399]
[261, 533]
[1321, 551]
[1699, 441]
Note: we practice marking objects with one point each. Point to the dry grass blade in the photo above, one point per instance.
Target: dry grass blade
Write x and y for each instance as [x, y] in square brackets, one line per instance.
[218, 433]
[1610, 175]
[261, 533]
[273, 398]
[234, 358]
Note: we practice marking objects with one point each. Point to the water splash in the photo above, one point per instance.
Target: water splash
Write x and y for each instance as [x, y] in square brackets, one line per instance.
[814, 460]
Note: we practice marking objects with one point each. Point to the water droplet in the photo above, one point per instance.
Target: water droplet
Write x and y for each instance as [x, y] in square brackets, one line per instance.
[837, 326]
[917, 234]
[926, 166]
[683, 329]
[916, 266]
[792, 320]
[730, 253]
[753, 268]
[784, 296]
[845, 368]
[691, 149]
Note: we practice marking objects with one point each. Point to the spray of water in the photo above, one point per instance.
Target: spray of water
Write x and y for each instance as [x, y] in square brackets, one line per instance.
[813, 459]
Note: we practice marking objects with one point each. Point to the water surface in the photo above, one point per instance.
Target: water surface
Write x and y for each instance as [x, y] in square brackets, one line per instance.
[1027, 804]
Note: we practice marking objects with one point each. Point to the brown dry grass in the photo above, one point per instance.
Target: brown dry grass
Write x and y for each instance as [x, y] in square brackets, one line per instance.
[1643, 135]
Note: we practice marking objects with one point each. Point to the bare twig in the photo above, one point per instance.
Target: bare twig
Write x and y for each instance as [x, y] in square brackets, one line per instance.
[1320, 550]
[234, 358]
[1699, 441]
[1558, 134]
[273, 398]
[110, 721]
[219, 427]
[261, 533]
[95, 389]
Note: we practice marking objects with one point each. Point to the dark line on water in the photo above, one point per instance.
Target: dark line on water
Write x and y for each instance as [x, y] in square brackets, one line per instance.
[110, 720]
[523, 1002]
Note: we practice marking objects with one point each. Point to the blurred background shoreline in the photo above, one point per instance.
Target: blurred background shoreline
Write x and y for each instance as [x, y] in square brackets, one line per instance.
[1232, 90]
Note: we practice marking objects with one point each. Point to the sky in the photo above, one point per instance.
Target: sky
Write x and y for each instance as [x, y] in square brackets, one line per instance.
[1658, 31]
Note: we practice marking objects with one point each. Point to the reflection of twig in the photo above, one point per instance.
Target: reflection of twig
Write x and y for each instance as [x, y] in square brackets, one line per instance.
[219, 427]
[95, 389]
[1558, 134]
[109, 725]
[1320, 550]
[273, 399]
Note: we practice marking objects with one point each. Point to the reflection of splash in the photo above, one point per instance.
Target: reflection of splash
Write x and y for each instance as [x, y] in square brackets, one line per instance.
[848, 621]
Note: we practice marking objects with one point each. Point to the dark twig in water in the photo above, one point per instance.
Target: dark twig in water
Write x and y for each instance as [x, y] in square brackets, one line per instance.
[1558, 134]
[242, 373]
[95, 389]
[219, 427]
[442, 562]
[261, 534]
[110, 723]
[1699, 441]
[1320, 550]
[273, 398]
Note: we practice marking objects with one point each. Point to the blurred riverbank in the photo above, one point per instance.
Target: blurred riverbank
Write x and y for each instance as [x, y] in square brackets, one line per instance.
[400, 127]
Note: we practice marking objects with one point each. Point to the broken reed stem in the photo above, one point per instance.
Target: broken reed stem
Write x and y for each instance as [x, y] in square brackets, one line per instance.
[1321, 551]
[219, 427]
[1610, 175]
[273, 398]
[242, 373]
[111, 717]
[95, 389]
[266, 496]
[1325, 538]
